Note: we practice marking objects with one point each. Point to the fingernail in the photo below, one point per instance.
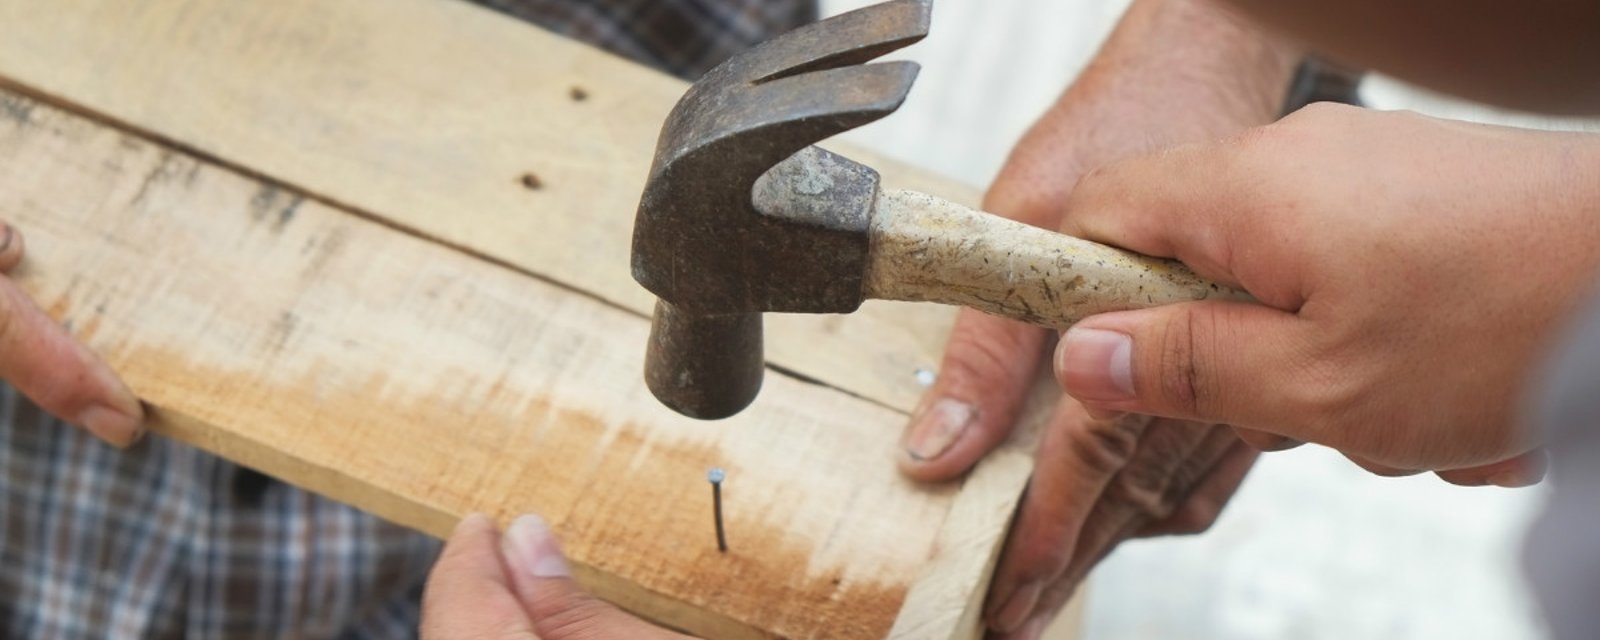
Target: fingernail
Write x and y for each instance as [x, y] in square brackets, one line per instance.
[111, 425]
[6, 234]
[1096, 365]
[534, 549]
[1015, 611]
[937, 426]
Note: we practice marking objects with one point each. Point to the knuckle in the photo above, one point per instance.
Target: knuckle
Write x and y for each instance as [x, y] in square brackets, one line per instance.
[1042, 558]
[1105, 447]
[1162, 479]
[1153, 489]
[1091, 180]
[572, 616]
[1380, 469]
[9, 324]
[1195, 516]
[1317, 114]
[1328, 394]
[1187, 382]
[987, 356]
[1145, 494]
[1093, 187]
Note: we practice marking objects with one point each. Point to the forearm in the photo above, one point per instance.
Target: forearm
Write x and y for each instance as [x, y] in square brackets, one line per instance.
[1539, 54]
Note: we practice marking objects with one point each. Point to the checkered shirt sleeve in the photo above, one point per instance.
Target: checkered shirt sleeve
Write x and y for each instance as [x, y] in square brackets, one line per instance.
[167, 541]
[683, 37]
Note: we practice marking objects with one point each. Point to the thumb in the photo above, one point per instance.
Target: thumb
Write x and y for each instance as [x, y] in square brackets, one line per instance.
[559, 607]
[469, 593]
[43, 361]
[1217, 362]
[989, 365]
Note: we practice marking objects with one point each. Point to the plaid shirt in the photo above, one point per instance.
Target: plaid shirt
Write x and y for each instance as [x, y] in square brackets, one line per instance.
[683, 37]
[166, 541]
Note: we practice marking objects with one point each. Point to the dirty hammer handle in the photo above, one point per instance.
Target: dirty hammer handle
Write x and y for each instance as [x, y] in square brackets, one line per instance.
[930, 250]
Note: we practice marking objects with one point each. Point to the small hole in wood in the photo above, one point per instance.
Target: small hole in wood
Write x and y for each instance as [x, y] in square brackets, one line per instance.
[531, 181]
[578, 94]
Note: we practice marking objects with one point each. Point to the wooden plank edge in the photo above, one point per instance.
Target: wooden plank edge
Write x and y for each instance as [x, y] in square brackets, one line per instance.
[947, 601]
[430, 519]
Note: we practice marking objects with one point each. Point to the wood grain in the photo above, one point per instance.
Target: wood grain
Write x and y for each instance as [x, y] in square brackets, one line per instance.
[404, 376]
[430, 114]
[410, 379]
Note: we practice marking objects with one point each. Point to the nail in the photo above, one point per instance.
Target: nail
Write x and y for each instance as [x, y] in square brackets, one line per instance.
[716, 475]
[6, 236]
[1096, 365]
[111, 425]
[1509, 480]
[937, 426]
[534, 549]
[1016, 609]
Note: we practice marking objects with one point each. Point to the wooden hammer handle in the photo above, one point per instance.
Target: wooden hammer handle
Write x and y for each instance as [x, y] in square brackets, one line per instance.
[928, 249]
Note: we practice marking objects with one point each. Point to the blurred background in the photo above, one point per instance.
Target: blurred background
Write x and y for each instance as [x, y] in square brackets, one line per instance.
[1311, 547]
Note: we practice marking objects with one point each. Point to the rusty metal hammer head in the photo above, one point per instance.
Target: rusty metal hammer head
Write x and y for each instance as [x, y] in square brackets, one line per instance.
[720, 238]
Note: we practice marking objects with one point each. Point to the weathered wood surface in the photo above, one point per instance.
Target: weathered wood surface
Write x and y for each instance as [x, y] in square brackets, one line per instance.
[302, 230]
[429, 113]
[413, 380]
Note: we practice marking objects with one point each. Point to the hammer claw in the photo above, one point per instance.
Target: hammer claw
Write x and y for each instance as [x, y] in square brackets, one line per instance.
[847, 39]
[874, 90]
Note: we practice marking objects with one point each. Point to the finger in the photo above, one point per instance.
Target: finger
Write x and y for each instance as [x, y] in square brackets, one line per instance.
[1078, 457]
[1209, 361]
[1200, 510]
[1380, 469]
[1169, 459]
[1525, 470]
[1130, 506]
[1033, 630]
[1263, 441]
[1168, 204]
[469, 592]
[11, 247]
[559, 607]
[989, 365]
[62, 376]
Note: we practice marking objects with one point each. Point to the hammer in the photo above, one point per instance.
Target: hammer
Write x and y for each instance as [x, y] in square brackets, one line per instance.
[741, 215]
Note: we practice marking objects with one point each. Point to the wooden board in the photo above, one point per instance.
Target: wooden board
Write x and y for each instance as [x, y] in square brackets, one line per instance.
[417, 391]
[408, 378]
[427, 113]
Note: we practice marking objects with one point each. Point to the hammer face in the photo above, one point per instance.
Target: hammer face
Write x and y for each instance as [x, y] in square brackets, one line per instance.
[704, 366]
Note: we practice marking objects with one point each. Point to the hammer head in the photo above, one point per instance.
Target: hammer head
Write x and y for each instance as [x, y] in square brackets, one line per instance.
[741, 215]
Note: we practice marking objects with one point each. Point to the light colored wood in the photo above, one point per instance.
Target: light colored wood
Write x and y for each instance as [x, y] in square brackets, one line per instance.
[428, 113]
[926, 248]
[415, 381]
